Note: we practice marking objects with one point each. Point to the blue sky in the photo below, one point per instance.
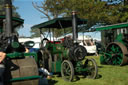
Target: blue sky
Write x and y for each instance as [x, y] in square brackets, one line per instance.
[31, 17]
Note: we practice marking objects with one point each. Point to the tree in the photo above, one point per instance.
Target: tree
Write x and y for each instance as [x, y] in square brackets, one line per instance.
[96, 11]
[51, 9]
[2, 9]
[125, 2]
[14, 13]
[35, 33]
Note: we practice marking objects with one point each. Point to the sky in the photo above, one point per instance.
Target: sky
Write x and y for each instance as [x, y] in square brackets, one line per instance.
[32, 17]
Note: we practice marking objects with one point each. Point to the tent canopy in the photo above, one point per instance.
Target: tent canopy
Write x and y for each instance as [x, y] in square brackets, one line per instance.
[16, 21]
[114, 26]
[59, 23]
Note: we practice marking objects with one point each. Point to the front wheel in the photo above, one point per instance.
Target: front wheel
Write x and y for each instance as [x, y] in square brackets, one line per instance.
[92, 69]
[67, 70]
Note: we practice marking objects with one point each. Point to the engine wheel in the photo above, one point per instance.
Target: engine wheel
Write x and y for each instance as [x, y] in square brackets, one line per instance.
[50, 63]
[41, 62]
[67, 70]
[115, 54]
[80, 52]
[77, 53]
[92, 71]
[44, 59]
[16, 68]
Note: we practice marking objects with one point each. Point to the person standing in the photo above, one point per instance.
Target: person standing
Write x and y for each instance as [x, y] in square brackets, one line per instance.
[2, 67]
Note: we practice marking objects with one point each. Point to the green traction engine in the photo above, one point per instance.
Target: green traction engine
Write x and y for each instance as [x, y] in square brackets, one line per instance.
[67, 56]
[19, 69]
[115, 41]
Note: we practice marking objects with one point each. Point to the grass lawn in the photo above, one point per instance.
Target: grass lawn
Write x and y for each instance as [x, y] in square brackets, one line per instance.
[109, 75]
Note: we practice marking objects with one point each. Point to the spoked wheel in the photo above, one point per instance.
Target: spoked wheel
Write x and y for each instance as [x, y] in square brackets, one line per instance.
[92, 69]
[44, 60]
[80, 52]
[50, 63]
[77, 53]
[115, 54]
[67, 70]
[41, 62]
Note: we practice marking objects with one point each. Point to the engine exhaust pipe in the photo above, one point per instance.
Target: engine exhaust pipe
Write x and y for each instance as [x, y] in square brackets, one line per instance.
[8, 20]
[74, 26]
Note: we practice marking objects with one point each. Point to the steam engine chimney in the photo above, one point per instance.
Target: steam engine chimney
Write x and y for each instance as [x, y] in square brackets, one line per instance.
[74, 26]
[8, 21]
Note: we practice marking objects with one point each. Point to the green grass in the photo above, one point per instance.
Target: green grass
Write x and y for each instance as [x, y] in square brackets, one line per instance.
[108, 75]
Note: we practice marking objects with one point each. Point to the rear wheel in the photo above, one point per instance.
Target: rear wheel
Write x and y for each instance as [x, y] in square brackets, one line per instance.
[115, 54]
[41, 62]
[17, 68]
[45, 59]
[50, 63]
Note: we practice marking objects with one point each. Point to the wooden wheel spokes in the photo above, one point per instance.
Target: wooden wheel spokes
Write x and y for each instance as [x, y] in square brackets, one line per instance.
[67, 70]
[92, 68]
[44, 59]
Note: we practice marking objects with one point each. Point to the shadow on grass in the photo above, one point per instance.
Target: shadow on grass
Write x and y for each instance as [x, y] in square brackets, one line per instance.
[99, 76]
[52, 82]
[100, 66]
[77, 78]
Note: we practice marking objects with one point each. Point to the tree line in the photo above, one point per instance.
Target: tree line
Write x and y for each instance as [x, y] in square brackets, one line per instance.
[96, 11]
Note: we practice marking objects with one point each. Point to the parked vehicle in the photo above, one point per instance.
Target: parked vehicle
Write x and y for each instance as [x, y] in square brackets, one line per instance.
[19, 70]
[115, 40]
[66, 56]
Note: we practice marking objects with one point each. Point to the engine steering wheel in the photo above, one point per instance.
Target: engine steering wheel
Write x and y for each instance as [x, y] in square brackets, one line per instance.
[43, 42]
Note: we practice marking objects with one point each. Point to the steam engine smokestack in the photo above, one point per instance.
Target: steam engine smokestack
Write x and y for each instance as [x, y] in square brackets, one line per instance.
[74, 26]
[8, 9]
